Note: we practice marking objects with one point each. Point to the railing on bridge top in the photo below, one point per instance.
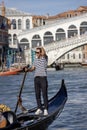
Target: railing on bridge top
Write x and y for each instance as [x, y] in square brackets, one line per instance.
[57, 49]
[67, 42]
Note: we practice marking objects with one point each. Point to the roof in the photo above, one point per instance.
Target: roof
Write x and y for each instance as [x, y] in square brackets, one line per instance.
[13, 12]
[61, 15]
[82, 8]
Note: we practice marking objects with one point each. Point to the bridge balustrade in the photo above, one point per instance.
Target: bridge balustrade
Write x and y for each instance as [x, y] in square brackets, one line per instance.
[68, 42]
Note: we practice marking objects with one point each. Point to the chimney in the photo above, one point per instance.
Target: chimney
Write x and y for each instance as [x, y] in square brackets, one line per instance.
[3, 9]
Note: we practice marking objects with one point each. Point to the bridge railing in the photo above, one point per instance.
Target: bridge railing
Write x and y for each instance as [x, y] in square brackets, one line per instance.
[67, 42]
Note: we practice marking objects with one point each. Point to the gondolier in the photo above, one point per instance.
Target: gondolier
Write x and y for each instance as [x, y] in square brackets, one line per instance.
[40, 79]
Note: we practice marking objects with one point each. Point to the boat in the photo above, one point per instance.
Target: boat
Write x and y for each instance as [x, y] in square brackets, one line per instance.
[10, 72]
[30, 121]
[84, 64]
[13, 71]
[59, 67]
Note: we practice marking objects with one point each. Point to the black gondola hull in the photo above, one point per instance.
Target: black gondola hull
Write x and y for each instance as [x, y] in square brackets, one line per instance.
[30, 121]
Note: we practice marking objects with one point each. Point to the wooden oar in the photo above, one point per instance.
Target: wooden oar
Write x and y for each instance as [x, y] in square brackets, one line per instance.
[21, 88]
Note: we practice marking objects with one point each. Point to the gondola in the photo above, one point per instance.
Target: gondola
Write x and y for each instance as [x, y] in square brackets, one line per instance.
[30, 121]
[59, 67]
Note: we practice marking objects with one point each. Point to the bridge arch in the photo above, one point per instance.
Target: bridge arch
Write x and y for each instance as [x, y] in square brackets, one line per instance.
[67, 52]
[56, 50]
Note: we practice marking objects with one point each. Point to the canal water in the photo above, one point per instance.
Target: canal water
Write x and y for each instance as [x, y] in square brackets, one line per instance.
[74, 114]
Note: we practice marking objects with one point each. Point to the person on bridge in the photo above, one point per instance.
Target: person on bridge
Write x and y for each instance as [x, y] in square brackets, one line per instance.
[40, 79]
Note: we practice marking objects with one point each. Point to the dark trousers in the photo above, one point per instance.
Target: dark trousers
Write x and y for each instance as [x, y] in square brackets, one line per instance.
[41, 86]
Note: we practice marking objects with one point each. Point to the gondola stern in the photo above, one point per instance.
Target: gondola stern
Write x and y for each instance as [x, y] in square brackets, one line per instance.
[63, 88]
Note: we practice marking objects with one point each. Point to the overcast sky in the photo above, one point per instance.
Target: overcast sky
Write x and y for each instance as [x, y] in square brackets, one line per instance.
[43, 7]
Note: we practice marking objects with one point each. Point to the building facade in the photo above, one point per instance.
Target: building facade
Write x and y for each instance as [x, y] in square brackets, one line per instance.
[3, 39]
[18, 22]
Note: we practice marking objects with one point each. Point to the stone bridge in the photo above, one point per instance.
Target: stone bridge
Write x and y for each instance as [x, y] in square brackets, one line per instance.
[56, 50]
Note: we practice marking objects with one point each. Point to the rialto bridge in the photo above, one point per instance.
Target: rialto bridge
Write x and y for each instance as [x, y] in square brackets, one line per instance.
[58, 37]
[57, 49]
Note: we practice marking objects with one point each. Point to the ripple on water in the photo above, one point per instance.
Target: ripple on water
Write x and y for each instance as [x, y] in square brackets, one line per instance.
[74, 114]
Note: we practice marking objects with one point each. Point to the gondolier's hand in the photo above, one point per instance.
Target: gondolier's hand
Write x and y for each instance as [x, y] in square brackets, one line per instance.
[29, 68]
[26, 68]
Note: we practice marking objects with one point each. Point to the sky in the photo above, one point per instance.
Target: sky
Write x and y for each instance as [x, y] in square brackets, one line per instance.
[44, 7]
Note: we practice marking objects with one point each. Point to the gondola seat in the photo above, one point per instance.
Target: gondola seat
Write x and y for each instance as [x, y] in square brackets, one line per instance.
[11, 118]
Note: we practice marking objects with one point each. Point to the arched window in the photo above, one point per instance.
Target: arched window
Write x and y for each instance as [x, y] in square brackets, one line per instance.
[24, 44]
[13, 23]
[60, 34]
[15, 39]
[36, 41]
[48, 38]
[27, 24]
[83, 27]
[19, 24]
[24, 40]
[72, 31]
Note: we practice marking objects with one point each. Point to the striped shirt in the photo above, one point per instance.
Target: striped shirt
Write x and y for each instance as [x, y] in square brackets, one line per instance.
[40, 65]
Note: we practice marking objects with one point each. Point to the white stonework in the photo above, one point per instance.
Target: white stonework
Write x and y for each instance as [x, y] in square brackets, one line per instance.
[25, 36]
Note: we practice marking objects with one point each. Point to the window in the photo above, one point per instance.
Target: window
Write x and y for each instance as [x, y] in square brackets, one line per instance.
[84, 56]
[79, 56]
[48, 38]
[14, 39]
[67, 56]
[19, 24]
[13, 23]
[9, 39]
[27, 24]
[73, 56]
[60, 34]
